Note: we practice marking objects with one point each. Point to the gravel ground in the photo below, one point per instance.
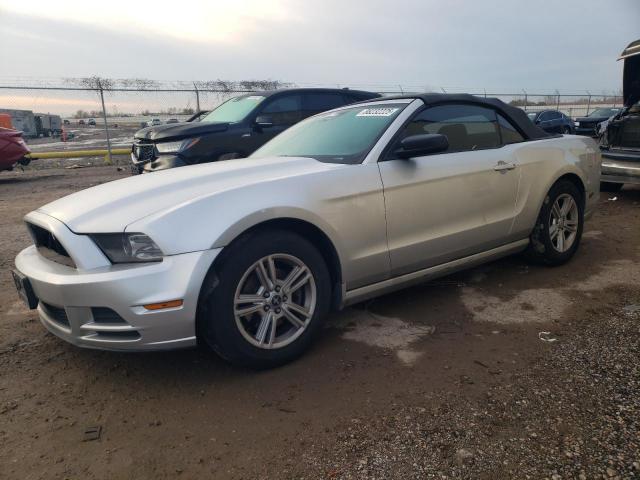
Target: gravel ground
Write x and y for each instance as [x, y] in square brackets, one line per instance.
[452, 379]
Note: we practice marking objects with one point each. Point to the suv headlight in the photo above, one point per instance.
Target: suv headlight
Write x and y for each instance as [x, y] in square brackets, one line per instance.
[577, 124]
[127, 247]
[175, 147]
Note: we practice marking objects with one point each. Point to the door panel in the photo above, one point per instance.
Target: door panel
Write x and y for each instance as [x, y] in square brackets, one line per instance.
[447, 206]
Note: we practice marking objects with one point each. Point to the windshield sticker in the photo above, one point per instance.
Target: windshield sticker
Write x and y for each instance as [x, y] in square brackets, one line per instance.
[377, 112]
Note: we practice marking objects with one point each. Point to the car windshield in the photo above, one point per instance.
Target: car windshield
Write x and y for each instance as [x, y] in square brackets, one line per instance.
[233, 110]
[603, 112]
[339, 136]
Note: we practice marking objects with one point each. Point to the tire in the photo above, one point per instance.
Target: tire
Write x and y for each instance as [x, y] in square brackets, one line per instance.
[546, 246]
[249, 340]
[566, 131]
[610, 187]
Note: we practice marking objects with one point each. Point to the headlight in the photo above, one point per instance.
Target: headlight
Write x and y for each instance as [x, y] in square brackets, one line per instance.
[577, 124]
[175, 147]
[128, 247]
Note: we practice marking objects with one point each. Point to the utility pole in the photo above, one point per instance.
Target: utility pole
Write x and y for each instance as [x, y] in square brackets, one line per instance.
[197, 97]
[104, 117]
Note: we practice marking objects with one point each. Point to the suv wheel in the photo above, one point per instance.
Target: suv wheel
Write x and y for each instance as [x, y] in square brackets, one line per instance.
[268, 299]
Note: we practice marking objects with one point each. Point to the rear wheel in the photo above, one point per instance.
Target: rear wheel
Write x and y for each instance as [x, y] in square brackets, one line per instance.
[566, 130]
[558, 230]
[610, 187]
[268, 298]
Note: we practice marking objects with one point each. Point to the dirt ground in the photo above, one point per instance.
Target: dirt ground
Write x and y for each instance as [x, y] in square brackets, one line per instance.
[446, 380]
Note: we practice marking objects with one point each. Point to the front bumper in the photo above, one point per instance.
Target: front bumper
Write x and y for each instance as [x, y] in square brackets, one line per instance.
[70, 299]
[623, 167]
[164, 162]
[588, 131]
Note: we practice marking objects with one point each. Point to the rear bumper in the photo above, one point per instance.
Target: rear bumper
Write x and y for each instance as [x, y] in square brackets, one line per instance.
[68, 299]
[620, 167]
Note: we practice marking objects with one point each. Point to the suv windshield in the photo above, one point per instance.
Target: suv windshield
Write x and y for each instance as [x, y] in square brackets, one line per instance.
[233, 110]
[603, 112]
[339, 136]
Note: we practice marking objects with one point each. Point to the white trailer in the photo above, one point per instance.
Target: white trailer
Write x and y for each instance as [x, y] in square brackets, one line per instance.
[23, 120]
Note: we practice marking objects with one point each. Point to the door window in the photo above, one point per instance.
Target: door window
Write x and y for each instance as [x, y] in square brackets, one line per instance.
[544, 116]
[284, 110]
[467, 127]
[313, 103]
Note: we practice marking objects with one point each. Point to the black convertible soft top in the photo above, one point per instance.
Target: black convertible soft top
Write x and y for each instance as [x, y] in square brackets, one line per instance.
[516, 115]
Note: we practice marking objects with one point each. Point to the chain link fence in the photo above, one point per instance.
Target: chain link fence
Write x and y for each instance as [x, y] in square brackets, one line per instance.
[117, 108]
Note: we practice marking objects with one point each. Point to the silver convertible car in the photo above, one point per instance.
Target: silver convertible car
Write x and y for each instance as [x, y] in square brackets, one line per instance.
[250, 255]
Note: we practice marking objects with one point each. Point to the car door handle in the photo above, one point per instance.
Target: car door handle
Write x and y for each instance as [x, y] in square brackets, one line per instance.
[503, 166]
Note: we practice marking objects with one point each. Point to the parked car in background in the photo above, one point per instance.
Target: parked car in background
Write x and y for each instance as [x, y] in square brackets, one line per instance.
[81, 122]
[620, 141]
[234, 129]
[12, 149]
[552, 121]
[249, 256]
[154, 122]
[172, 120]
[91, 122]
[66, 122]
[589, 125]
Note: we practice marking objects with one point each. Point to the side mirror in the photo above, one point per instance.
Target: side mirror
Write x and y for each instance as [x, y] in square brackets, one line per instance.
[264, 121]
[423, 144]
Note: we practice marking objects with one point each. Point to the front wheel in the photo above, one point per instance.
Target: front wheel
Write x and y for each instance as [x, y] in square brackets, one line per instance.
[268, 298]
[566, 130]
[558, 230]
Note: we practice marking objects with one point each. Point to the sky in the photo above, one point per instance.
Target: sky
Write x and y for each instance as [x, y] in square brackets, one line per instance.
[462, 45]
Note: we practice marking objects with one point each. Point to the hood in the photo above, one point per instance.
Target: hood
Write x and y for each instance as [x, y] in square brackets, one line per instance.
[175, 131]
[112, 206]
[590, 119]
[631, 75]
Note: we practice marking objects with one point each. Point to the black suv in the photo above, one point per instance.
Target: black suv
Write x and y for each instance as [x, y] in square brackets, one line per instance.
[589, 125]
[234, 129]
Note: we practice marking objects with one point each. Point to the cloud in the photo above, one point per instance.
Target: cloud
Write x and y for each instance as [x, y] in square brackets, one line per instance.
[501, 46]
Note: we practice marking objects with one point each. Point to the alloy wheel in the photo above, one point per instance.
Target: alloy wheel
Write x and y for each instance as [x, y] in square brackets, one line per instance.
[563, 223]
[274, 301]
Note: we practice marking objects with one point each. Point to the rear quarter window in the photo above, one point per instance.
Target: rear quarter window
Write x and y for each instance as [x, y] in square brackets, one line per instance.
[508, 132]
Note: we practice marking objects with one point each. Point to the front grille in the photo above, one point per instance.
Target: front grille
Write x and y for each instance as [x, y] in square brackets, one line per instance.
[626, 133]
[49, 246]
[144, 152]
[589, 125]
[58, 314]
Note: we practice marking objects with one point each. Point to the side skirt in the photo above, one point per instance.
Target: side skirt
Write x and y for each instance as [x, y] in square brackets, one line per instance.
[408, 279]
